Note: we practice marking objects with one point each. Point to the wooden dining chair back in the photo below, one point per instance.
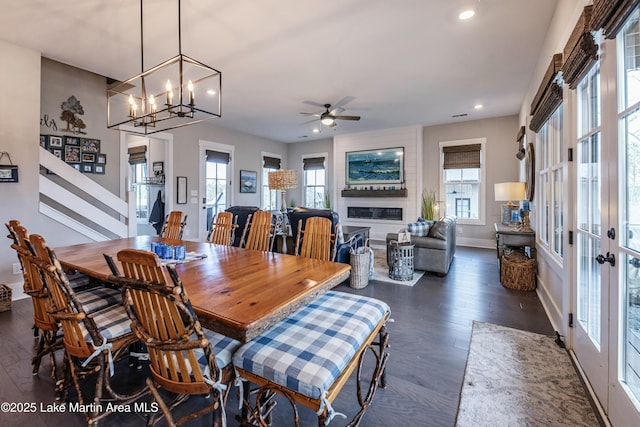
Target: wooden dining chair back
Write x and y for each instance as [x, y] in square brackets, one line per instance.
[182, 354]
[92, 341]
[222, 229]
[259, 232]
[316, 240]
[173, 226]
[45, 326]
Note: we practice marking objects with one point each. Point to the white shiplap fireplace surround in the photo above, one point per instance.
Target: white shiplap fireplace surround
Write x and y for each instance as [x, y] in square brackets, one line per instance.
[408, 137]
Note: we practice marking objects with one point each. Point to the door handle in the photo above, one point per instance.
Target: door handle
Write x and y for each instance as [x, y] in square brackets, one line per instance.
[611, 233]
[610, 258]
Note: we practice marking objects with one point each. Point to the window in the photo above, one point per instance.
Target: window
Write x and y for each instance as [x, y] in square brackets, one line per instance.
[269, 197]
[138, 162]
[463, 182]
[314, 182]
[552, 163]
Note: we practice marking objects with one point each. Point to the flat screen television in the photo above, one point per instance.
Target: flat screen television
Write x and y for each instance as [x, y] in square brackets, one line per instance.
[382, 166]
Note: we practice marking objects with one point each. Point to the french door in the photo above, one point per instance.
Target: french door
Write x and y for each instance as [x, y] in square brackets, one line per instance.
[607, 249]
[215, 182]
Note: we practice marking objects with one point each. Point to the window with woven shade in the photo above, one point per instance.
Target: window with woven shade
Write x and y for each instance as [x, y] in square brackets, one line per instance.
[581, 51]
[270, 198]
[314, 181]
[549, 95]
[462, 180]
[611, 15]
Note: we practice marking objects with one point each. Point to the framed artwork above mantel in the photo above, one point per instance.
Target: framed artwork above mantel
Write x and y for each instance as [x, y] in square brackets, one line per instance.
[381, 166]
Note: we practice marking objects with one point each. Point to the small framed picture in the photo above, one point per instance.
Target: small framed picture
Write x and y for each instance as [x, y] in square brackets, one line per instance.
[88, 158]
[87, 168]
[90, 145]
[76, 166]
[71, 154]
[248, 181]
[55, 141]
[44, 141]
[57, 152]
[98, 168]
[182, 190]
[101, 158]
[72, 140]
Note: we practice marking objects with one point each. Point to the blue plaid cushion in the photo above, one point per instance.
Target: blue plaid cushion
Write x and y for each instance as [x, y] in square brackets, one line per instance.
[307, 351]
[98, 298]
[418, 229]
[112, 322]
[223, 348]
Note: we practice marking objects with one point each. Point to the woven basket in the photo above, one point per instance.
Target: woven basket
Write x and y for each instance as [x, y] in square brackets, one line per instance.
[5, 298]
[359, 268]
[518, 272]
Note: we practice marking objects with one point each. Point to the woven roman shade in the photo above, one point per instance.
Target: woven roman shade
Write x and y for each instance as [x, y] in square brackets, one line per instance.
[137, 154]
[581, 50]
[610, 15]
[549, 94]
[313, 163]
[217, 157]
[270, 162]
[461, 156]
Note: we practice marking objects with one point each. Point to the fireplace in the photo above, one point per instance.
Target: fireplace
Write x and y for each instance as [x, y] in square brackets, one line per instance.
[394, 214]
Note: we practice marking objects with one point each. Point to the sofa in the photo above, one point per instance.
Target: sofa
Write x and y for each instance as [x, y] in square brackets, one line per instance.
[434, 244]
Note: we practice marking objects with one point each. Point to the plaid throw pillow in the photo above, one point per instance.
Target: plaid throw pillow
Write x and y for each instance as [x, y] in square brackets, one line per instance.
[418, 229]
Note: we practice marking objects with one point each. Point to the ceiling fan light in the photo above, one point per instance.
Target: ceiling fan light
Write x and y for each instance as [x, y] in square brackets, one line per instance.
[327, 121]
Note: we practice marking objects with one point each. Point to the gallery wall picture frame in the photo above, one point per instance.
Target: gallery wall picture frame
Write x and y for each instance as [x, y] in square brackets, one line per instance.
[55, 141]
[101, 158]
[8, 172]
[88, 158]
[87, 168]
[71, 140]
[90, 145]
[182, 190]
[76, 166]
[57, 152]
[98, 168]
[248, 181]
[44, 141]
[71, 154]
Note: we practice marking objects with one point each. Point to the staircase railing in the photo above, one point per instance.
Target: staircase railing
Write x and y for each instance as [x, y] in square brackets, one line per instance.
[80, 203]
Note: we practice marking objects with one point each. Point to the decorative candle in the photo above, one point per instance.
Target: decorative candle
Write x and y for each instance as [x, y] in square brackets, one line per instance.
[131, 104]
[191, 94]
[169, 93]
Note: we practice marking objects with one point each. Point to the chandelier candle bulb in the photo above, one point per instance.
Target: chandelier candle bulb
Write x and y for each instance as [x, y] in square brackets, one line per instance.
[191, 94]
[169, 93]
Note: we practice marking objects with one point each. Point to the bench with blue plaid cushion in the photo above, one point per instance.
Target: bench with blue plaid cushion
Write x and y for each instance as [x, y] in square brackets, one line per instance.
[308, 351]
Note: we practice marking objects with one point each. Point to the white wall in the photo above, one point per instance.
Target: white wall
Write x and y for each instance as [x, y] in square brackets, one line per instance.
[408, 137]
[19, 83]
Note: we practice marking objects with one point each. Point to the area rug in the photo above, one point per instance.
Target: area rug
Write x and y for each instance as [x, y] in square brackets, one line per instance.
[518, 378]
[381, 270]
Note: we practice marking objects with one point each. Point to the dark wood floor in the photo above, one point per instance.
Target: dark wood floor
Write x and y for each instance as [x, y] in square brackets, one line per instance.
[429, 337]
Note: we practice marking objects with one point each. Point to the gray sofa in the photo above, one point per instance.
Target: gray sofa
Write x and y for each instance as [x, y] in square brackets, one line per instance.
[434, 252]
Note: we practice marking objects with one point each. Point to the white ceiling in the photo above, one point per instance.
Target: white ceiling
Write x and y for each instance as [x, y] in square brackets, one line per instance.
[404, 62]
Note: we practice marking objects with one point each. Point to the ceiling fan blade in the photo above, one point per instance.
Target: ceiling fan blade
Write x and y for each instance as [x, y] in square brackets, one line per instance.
[310, 121]
[344, 101]
[315, 104]
[346, 117]
[311, 114]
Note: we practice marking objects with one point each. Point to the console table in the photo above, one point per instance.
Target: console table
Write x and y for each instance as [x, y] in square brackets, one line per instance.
[352, 230]
[510, 236]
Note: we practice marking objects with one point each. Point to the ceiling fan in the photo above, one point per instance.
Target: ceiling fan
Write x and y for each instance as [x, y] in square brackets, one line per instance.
[331, 113]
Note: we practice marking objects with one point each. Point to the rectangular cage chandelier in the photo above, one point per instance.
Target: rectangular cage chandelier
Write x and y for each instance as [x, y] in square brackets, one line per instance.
[179, 92]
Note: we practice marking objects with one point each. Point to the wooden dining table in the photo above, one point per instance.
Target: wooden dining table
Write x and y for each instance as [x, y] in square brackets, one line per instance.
[236, 292]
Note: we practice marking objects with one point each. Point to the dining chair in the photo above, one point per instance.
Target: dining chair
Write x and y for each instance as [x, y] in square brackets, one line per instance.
[316, 239]
[46, 327]
[173, 226]
[222, 229]
[259, 232]
[93, 342]
[185, 359]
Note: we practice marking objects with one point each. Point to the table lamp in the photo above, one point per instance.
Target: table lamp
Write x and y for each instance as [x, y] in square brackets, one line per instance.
[509, 192]
[283, 180]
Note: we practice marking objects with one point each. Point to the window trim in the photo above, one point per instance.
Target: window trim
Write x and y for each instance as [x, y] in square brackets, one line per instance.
[482, 192]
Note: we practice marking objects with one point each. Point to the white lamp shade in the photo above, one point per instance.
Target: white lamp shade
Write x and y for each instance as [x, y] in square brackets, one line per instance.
[509, 191]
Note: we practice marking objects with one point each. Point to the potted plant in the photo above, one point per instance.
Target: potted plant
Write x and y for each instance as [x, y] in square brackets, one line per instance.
[429, 204]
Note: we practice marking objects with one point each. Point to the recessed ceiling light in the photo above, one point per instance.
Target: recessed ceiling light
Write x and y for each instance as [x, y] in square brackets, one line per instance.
[478, 106]
[316, 130]
[466, 14]
[211, 92]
